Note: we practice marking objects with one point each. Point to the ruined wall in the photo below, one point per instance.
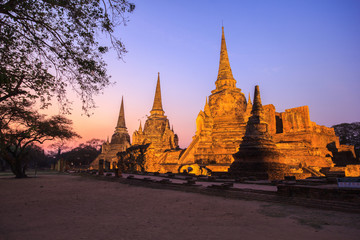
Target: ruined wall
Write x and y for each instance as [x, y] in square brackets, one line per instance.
[109, 151]
[301, 141]
[303, 147]
[296, 119]
[269, 117]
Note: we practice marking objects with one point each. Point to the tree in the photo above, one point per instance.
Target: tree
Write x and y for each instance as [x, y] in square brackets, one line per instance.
[349, 134]
[47, 46]
[84, 154]
[21, 127]
[36, 157]
[57, 148]
[95, 143]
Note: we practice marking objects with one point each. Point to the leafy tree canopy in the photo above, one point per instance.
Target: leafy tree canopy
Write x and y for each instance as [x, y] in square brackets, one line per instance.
[21, 127]
[84, 154]
[47, 46]
[349, 134]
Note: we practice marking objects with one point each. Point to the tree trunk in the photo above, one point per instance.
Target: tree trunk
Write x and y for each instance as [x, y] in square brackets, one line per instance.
[17, 169]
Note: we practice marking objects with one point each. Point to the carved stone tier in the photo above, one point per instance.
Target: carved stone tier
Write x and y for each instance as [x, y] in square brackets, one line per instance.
[157, 133]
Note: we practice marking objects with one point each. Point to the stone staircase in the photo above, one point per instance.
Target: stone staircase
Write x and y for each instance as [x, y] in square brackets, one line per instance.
[313, 172]
[188, 150]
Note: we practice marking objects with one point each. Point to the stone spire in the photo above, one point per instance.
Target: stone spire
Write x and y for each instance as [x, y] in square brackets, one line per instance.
[249, 106]
[140, 128]
[225, 78]
[121, 135]
[207, 107]
[121, 120]
[257, 108]
[157, 106]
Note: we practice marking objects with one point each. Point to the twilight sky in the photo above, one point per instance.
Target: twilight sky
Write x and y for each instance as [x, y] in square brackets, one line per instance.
[299, 53]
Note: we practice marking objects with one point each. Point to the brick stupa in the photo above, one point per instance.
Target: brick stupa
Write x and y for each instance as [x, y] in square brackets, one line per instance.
[120, 141]
[158, 134]
[222, 124]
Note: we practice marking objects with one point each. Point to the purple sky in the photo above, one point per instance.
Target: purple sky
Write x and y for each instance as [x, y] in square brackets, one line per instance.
[299, 52]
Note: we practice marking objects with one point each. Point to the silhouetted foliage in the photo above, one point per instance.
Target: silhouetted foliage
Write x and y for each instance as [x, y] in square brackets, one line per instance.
[47, 46]
[84, 154]
[21, 127]
[36, 157]
[56, 148]
[133, 159]
[3, 165]
[349, 134]
[95, 143]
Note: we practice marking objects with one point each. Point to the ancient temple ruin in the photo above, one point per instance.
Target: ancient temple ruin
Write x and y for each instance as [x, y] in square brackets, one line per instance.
[157, 129]
[261, 141]
[163, 148]
[120, 141]
[221, 126]
[236, 136]
[258, 155]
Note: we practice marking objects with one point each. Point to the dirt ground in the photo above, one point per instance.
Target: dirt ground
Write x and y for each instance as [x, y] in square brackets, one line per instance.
[73, 207]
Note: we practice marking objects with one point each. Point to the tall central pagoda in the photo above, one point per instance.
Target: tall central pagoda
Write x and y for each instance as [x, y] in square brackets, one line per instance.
[222, 124]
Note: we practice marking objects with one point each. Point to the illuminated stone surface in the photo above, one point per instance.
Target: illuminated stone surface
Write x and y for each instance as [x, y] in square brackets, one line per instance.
[161, 137]
[232, 132]
[120, 141]
[263, 142]
[222, 124]
[258, 155]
